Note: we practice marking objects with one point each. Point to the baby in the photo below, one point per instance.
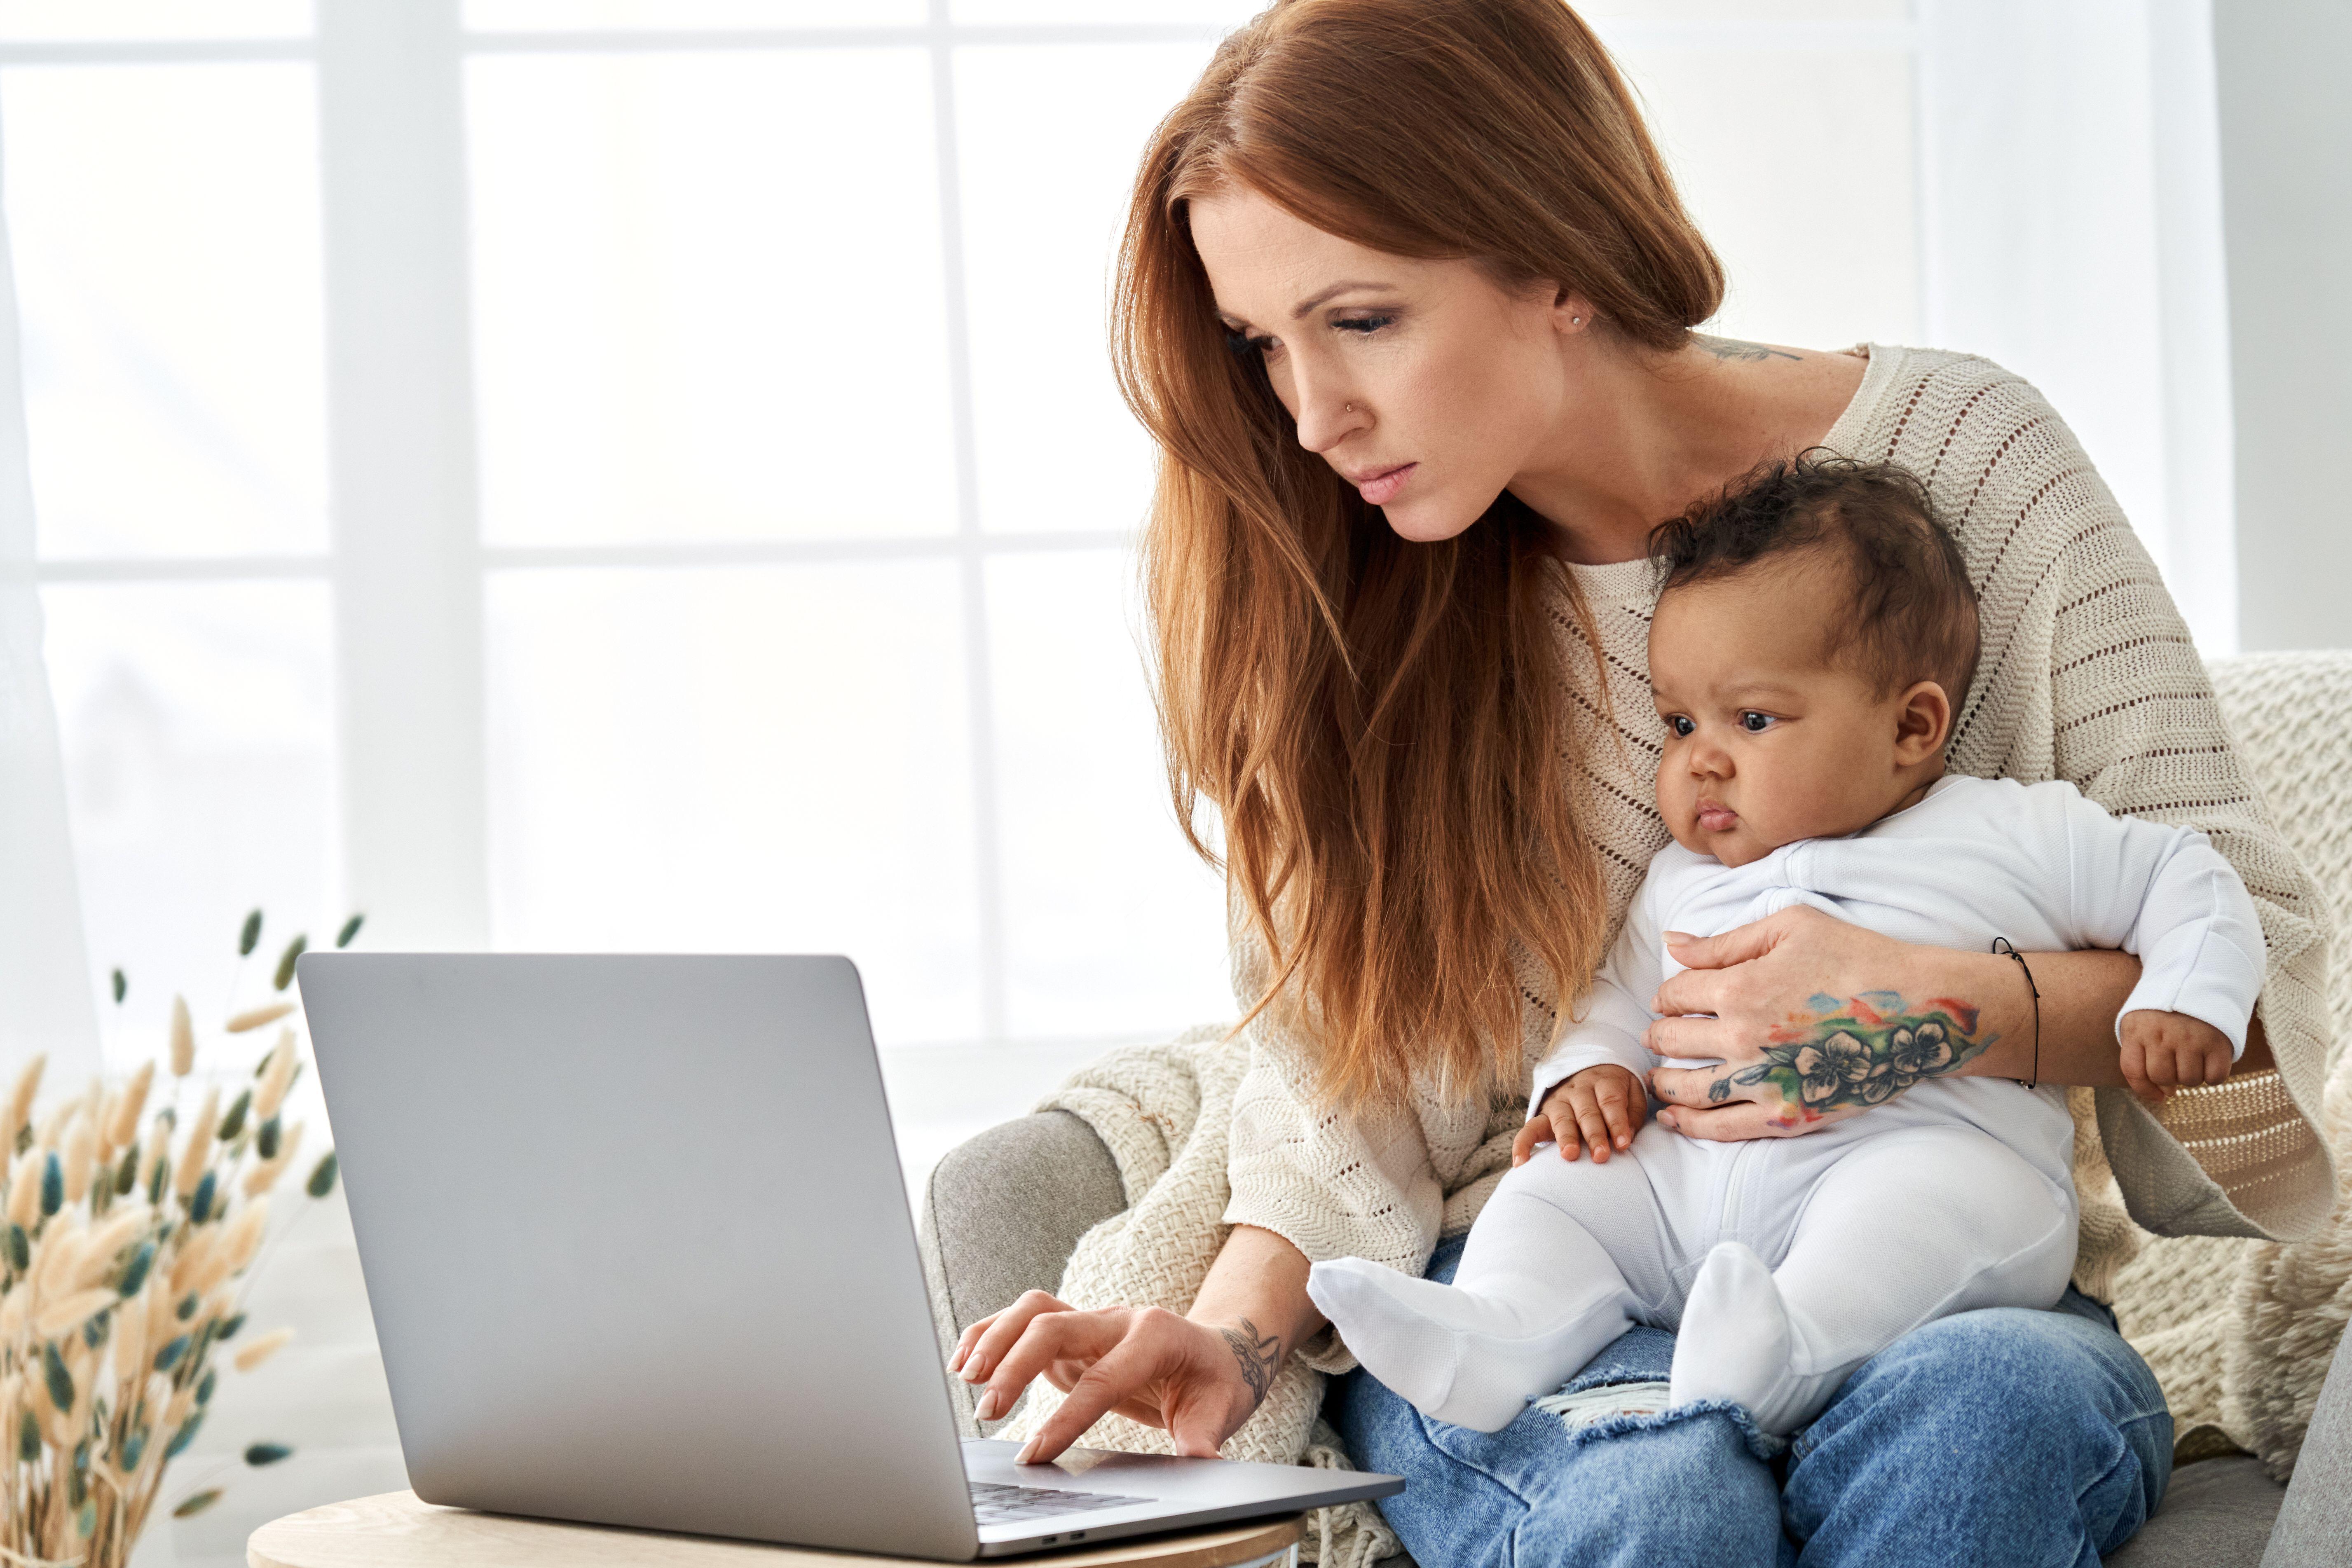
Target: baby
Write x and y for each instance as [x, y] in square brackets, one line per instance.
[1810, 639]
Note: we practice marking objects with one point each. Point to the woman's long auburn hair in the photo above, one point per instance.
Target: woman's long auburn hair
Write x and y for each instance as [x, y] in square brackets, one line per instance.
[1380, 723]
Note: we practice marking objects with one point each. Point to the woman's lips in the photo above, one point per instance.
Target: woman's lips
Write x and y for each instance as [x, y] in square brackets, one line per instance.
[1718, 819]
[1382, 488]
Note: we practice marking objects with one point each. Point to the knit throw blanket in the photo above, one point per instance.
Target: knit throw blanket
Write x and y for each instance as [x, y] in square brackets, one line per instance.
[1163, 1112]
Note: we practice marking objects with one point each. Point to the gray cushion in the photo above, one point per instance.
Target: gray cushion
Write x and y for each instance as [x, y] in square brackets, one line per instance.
[2216, 1514]
[2314, 1526]
[1001, 1215]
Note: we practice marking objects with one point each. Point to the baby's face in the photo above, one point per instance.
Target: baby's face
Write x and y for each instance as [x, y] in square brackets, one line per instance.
[1768, 739]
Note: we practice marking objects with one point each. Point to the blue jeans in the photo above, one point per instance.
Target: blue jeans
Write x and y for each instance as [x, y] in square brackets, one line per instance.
[2003, 1436]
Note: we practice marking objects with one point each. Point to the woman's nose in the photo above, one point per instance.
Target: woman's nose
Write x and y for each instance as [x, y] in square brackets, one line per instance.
[1327, 414]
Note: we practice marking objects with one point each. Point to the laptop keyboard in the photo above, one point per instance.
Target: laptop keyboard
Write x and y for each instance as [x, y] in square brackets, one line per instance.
[992, 1503]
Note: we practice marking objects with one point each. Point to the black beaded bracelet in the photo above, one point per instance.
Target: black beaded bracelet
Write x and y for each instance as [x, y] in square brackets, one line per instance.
[2001, 944]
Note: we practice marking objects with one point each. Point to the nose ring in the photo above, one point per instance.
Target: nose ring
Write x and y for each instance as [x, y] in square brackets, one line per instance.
[1351, 408]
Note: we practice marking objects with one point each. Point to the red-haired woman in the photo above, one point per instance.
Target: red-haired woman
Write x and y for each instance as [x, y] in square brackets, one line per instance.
[1408, 299]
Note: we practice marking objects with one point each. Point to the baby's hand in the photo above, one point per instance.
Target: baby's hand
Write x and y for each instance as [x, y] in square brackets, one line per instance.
[2164, 1051]
[1603, 1107]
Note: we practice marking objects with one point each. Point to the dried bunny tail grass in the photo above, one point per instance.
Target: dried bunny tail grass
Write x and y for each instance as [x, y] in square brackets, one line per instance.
[277, 1077]
[163, 1318]
[177, 1410]
[220, 1262]
[20, 1098]
[60, 1317]
[130, 1344]
[127, 1110]
[59, 1260]
[107, 1242]
[242, 1238]
[262, 1349]
[265, 1173]
[196, 1257]
[12, 1316]
[184, 1039]
[25, 1190]
[81, 1157]
[194, 1158]
[254, 1018]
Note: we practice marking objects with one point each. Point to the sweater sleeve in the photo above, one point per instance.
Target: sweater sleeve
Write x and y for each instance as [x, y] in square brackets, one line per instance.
[1334, 1183]
[2135, 726]
[2167, 895]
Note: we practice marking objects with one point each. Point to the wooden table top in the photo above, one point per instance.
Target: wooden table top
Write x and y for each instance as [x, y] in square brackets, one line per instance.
[397, 1530]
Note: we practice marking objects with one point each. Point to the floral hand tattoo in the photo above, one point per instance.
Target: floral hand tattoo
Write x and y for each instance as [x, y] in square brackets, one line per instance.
[1857, 1053]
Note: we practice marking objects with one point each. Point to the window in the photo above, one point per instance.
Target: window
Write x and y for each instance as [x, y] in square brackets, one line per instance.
[644, 474]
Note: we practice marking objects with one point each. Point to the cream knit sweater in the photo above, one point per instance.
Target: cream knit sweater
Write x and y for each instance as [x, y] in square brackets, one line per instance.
[2087, 675]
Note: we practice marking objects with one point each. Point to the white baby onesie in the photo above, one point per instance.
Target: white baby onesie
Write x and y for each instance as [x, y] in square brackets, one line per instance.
[1786, 1262]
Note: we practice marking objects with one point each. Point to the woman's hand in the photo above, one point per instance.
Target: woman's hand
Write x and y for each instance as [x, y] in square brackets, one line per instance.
[1605, 1105]
[1814, 1021]
[1199, 1382]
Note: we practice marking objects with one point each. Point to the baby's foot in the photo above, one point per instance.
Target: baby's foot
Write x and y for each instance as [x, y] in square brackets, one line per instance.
[1737, 1343]
[1465, 1359]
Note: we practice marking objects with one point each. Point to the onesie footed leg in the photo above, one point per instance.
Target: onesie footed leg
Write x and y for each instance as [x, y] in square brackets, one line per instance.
[1534, 1298]
[1738, 1343]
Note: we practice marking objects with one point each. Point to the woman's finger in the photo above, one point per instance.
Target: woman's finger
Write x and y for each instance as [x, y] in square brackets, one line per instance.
[1692, 1086]
[1724, 1124]
[1694, 1039]
[998, 1332]
[1077, 1337]
[966, 1340]
[1737, 946]
[1693, 991]
[1125, 1365]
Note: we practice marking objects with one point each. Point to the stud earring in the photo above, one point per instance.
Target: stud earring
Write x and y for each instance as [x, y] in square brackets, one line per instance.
[1576, 320]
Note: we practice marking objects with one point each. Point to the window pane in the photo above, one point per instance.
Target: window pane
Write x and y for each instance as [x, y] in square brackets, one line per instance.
[165, 224]
[1113, 927]
[197, 727]
[46, 20]
[1050, 137]
[769, 759]
[708, 297]
[537, 15]
[1824, 271]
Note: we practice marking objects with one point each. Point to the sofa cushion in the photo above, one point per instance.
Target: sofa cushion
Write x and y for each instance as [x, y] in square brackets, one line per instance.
[2217, 1513]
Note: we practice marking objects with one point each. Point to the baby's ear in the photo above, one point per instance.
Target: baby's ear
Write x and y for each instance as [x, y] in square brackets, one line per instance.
[1923, 721]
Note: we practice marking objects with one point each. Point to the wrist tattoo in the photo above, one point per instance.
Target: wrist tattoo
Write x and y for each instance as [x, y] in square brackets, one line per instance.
[1860, 1052]
[1259, 1355]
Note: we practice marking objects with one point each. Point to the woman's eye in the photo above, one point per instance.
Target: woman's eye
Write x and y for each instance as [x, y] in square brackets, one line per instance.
[1243, 343]
[1364, 325]
[1681, 725]
[1756, 723]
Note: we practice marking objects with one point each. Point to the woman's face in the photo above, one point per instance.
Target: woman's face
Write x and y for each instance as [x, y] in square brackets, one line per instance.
[1423, 383]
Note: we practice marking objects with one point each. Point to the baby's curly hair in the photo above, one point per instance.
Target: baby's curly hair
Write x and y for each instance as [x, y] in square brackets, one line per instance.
[1911, 613]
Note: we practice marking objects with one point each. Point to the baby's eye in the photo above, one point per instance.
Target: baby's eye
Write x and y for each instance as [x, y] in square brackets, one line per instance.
[1756, 723]
[1680, 725]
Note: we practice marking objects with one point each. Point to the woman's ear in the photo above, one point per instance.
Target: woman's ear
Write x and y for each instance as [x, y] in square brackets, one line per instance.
[1922, 720]
[1570, 311]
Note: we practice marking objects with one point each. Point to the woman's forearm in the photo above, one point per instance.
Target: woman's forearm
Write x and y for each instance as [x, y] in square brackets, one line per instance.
[1255, 1296]
[2080, 995]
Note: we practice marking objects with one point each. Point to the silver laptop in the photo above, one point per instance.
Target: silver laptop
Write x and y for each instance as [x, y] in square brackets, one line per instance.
[639, 1253]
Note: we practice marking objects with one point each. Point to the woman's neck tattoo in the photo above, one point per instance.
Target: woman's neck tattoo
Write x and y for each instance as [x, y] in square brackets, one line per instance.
[1860, 1052]
[1259, 1355]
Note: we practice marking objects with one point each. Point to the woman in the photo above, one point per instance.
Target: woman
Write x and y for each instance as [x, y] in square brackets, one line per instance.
[1407, 298]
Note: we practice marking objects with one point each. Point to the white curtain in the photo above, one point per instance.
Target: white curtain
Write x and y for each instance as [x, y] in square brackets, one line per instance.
[45, 995]
[2072, 231]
